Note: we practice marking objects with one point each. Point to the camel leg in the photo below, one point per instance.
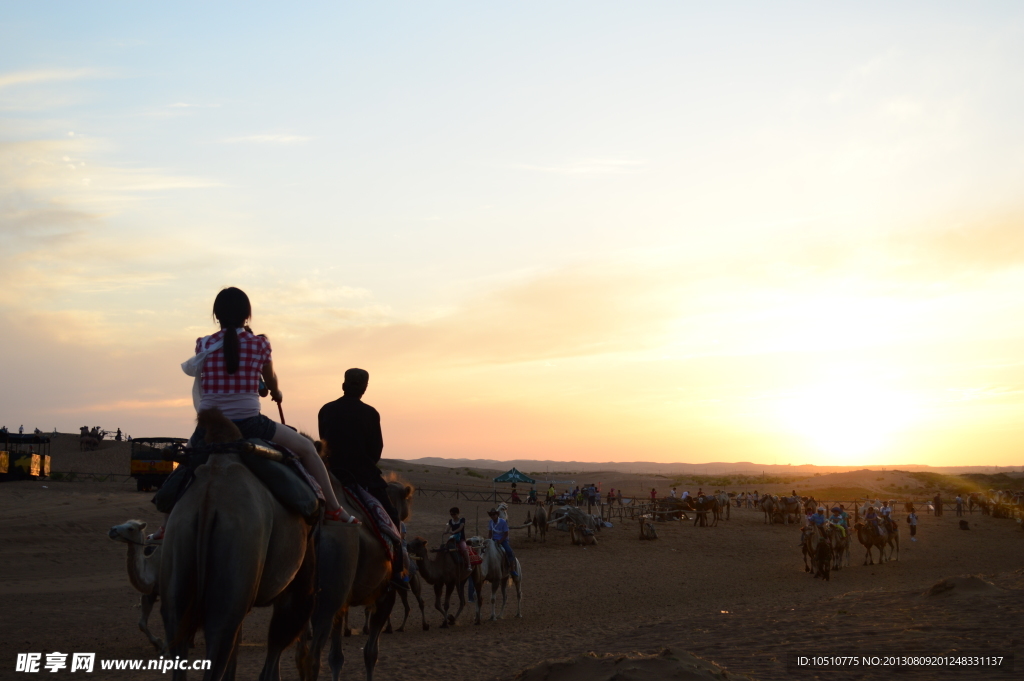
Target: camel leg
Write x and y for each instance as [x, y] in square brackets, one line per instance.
[405, 606]
[147, 607]
[504, 597]
[494, 596]
[302, 654]
[336, 656]
[518, 581]
[460, 589]
[437, 602]
[380, 615]
[176, 609]
[292, 609]
[328, 620]
[414, 584]
[223, 626]
[479, 600]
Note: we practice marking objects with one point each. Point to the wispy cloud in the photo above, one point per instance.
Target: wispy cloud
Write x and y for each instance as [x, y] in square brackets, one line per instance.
[268, 139]
[586, 167]
[42, 75]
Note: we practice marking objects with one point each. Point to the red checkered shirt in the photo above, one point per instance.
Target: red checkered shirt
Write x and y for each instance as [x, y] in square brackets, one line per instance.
[253, 353]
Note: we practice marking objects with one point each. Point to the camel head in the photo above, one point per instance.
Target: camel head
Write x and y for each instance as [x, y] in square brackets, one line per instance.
[400, 495]
[417, 547]
[129, 532]
[218, 427]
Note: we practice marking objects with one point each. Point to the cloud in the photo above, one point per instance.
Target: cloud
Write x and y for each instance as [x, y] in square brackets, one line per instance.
[268, 139]
[56, 171]
[176, 403]
[587, 167]
[44, 75]
[574, 312]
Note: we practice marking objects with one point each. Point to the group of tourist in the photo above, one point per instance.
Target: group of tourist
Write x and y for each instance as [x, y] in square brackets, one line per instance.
[587, 495]
[497, 530]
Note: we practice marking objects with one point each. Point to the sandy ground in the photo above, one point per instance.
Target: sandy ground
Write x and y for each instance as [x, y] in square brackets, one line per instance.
[734, 595]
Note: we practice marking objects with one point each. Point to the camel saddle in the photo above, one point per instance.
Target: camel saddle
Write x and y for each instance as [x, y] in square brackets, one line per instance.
[377, 518]
[453, 548]
[275, 466]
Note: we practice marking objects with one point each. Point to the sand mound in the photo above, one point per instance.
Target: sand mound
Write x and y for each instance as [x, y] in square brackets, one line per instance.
[968, 585]
[628, 667]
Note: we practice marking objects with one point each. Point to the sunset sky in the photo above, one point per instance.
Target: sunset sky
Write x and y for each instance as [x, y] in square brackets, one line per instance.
[769, 232]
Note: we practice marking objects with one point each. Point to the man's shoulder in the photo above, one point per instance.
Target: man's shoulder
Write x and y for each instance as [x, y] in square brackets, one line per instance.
[333, 405]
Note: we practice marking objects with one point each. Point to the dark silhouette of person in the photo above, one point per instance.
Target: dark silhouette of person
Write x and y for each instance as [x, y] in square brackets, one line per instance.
[351, 430]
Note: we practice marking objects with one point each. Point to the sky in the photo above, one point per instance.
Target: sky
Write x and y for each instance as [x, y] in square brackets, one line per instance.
[592, 231]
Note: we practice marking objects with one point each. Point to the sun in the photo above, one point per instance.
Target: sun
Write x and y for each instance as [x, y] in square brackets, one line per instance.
[850, 420]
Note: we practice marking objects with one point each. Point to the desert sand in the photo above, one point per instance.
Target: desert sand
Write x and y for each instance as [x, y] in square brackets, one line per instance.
[695, 602]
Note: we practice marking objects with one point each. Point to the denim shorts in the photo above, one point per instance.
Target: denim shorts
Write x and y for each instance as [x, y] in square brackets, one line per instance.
[258, 426]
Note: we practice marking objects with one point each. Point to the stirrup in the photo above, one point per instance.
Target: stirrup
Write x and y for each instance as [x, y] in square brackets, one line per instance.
[336, 516]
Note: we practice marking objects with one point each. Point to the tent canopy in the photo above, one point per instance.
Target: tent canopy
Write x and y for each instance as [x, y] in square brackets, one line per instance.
[514, 476]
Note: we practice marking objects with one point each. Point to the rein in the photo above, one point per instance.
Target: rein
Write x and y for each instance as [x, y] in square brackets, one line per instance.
[132, 541]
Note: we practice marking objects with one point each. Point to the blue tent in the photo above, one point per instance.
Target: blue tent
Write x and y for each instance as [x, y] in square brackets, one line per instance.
[514, 476]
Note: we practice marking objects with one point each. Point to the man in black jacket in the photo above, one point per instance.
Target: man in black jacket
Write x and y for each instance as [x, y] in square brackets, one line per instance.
[351, 430]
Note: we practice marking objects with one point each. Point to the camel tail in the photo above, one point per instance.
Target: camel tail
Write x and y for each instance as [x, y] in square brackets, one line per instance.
[207, 525]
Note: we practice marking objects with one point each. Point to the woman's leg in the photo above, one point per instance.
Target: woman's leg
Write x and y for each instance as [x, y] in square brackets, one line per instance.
[306, 452]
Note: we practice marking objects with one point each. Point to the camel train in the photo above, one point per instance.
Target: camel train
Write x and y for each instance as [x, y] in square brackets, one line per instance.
[231, 546]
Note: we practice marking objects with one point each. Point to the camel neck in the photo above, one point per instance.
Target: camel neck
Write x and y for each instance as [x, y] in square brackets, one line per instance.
[137, 572]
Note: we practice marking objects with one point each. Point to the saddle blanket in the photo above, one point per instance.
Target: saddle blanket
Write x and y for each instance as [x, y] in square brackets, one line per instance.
[379, 520]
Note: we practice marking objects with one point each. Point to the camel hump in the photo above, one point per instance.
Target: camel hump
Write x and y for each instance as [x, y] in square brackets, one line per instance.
[219, 428]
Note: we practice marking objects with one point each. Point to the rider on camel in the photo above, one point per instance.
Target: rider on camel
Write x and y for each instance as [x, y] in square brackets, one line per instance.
[872, 518]
[351, 430]
[456, 529]
[497, 529]
[227, 367]
[838, 520]
[886, 513]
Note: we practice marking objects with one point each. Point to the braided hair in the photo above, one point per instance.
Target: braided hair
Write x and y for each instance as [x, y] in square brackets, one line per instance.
[232, 309]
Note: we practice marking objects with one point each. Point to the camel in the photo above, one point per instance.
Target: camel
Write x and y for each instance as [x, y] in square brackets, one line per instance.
[867, 536]
[230, 546]
[647, 530]
[723, 512]
[354, 571]
[416, 588]
[701, 505]
[143, 571]
[496, 570]
[540, 523]
[789, 506]
[768, 506]
[840, 546]
[581, 536]
[816, 546]
[444, 572]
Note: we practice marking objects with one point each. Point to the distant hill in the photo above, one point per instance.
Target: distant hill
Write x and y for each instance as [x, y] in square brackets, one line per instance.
[670, 469]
